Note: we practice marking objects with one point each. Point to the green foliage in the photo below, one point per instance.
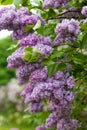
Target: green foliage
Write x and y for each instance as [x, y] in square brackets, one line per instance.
[52, 68]
[6, 2]
[31, 55]
[17, 3]
[5, 74]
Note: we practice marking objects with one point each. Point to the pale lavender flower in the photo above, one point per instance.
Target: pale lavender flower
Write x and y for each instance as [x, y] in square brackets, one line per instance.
[16, 59]
[54, 3]
[70, 82]
[84, 10]
[66, 31]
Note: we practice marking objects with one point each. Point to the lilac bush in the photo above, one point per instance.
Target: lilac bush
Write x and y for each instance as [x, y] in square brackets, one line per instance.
[50, 58]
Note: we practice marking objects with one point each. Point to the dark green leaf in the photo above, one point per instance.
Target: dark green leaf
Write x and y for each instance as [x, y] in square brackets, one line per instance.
[52, 68]
[28, 27]
[37, 25]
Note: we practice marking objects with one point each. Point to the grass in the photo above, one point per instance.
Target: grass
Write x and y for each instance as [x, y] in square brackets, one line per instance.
[9, 127]
[5, 124]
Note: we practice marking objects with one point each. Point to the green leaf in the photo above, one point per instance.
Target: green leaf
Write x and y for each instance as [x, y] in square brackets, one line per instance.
[52, 68]
[80, 1]
[37, 25]
[28, 27]
[18, 3]
[47, 62]
[57, 54]
[79, 58]
[61, 67]
[25, 2]
[35, 55]
[27, 56]
[6, 2]
[12, 47]
[29, 49]
[31, 54]
[36, 2]
[48, 29]
[84, 27]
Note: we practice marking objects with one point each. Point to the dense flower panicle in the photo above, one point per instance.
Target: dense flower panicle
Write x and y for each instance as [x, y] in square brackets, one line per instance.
[59, 75]
[33, 39]
[17, 20]
[64, 124]
[41, 91]
[24, 71]
[67, 31]
[51, 120]
[19, 33]
[58, 91]
[28, 89]
[7, 14]
[70, 82]
[45, 50]
[6, 9]
[38, 75]
[30, 40]
[23, 21]
[35, 107]
[54, 3]
[84, 10]
[31, 20]
[16, 59]
[23, 11]
[43, 44]
[69, 96]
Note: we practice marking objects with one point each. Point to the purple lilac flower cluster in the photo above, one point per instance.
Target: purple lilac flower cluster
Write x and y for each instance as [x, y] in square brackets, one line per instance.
[24, 71]
[57, 90]
[66, 31]
[33, 39]
[16, 60]
[84, 10]
[17, 20]
[54, 3]
[43, 44]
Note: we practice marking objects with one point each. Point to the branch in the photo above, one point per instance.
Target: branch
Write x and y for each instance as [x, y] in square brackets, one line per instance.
[68, 14]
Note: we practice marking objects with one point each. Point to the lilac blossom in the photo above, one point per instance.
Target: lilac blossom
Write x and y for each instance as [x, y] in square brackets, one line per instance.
[16, 59]
[54, 3]
[17, 20]
[67, 31]
[84, 10]
[24, 71]
[33, 39]
[58, 94]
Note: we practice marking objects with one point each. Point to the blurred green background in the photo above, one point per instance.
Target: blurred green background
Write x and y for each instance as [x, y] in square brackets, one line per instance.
[10, 116]
[5, 74]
